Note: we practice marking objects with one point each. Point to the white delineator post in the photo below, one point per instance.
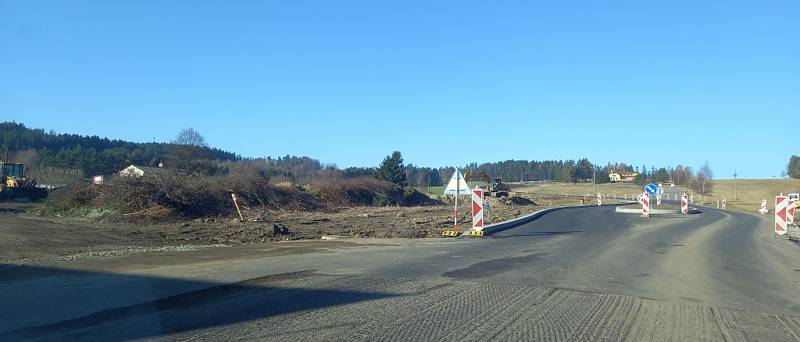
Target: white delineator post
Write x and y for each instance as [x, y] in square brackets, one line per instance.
[477, 209]
[599, 199]
[658, 199]
[684, 204]
[780, 215]
[645, 205]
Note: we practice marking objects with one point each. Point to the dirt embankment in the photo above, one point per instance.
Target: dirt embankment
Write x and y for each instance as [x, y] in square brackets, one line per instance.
[29, 239]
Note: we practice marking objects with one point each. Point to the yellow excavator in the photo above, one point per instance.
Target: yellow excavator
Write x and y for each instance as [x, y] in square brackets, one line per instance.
[14, 184]
[494, 187]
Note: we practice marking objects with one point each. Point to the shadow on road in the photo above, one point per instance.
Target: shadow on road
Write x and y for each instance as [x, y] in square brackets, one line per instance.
[76, 308]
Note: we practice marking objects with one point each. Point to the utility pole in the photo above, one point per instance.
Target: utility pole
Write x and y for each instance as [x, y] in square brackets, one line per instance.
[735, 192]
[594, 179]
[429, 181]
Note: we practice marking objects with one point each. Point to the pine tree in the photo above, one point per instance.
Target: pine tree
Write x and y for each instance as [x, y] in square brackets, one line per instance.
[392, 170]
[793, 169]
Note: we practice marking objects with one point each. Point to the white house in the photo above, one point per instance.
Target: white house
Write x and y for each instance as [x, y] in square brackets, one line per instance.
[622, 176]
[138, 171]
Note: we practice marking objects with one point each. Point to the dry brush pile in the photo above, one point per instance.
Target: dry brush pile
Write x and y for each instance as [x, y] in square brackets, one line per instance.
[192, 196]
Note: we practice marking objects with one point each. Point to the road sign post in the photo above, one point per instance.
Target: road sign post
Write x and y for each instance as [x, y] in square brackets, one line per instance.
[780, 215]
[457, 186]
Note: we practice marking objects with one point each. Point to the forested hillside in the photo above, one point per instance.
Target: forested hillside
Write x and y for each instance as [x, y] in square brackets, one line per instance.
[54, 155]
[56, 159]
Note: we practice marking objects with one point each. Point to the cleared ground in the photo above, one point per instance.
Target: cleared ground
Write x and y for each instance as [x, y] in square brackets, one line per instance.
[29, 239]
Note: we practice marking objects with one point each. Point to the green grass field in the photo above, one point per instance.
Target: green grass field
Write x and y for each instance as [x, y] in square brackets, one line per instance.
[434, 190]
[748, 193]
[748, 196]
[439, 190]
[580, 189]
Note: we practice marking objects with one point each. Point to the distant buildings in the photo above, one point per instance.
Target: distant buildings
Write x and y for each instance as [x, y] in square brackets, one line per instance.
[138, 171]
[622, 176]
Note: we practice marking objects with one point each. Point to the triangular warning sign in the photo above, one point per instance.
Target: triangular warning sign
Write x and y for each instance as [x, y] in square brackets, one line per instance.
[457, 184]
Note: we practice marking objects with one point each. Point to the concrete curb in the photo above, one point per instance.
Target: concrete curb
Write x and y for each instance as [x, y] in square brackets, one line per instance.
[497, 227]
[652, 211]
[660, 212]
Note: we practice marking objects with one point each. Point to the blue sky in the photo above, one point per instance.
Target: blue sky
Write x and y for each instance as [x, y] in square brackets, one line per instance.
[445, 82]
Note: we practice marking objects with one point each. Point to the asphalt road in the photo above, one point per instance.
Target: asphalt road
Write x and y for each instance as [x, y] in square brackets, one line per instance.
[574, 274]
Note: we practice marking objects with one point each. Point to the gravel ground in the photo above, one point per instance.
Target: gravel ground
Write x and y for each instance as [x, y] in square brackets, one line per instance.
[30, 240]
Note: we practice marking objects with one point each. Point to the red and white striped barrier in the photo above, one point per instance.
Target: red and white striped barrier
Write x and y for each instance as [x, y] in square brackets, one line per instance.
[790, 212]
[763, 210]
[645, 199]
[477, 209]
[780, 215]
[684, 204]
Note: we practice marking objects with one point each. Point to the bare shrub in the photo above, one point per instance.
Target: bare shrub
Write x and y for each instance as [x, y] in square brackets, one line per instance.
[255, 190]
[174, 195]
[367, 191]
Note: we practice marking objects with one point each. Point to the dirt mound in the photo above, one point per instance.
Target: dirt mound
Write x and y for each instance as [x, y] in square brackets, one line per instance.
[167, 196]
[510, 201]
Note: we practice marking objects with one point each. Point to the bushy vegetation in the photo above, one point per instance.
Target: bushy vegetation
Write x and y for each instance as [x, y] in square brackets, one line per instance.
[793, 168]
[191, 196]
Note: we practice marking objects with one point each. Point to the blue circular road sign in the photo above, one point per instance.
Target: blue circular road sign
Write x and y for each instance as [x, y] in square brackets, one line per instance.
[651, 188]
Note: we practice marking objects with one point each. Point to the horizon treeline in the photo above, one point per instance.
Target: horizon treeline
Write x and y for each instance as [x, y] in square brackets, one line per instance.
[58, 158]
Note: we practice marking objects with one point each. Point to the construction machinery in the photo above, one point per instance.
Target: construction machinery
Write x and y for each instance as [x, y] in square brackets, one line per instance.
[14, 184]
[494, 186]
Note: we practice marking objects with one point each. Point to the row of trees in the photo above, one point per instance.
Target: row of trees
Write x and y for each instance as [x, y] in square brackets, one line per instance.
[93, 155]
[48, 154]
[393, 170]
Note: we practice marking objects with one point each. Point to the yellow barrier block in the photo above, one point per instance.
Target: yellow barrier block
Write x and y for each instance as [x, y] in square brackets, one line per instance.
[451, 233]
[475, 232]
